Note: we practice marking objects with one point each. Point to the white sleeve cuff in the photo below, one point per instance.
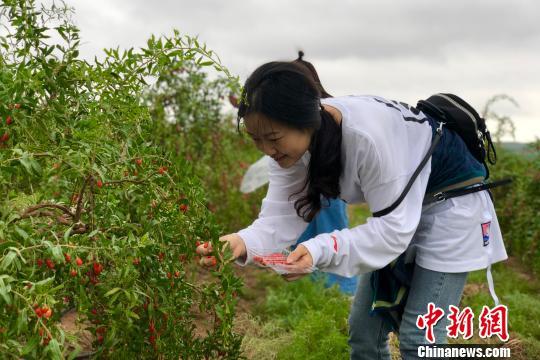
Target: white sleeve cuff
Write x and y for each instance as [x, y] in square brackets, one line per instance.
[251, 242]
[314, 248]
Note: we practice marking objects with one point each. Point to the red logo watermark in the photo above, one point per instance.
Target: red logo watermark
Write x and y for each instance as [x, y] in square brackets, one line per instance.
[491, 322]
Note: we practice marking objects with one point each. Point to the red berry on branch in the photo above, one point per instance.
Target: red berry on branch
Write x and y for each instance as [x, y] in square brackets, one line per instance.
[177, 274]
[78, 261]
[9, 120]
[38, 312]
[39, 262]
[47, 313]
[169, 275]
[16, 106]
[138, 161]
[99, 184]
[183, 208]
[136, 261]
[50, 264]
[97, 268]
[73, 273]
[233, 100]
[4, 137]
[67, 257]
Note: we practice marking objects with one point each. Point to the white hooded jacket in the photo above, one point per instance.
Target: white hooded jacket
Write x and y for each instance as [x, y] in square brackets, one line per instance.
[382, 144]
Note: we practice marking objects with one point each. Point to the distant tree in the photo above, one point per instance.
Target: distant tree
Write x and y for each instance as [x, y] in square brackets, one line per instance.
[505, 124]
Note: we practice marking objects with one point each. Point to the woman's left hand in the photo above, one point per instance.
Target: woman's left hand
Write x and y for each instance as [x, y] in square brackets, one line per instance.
[301, 260]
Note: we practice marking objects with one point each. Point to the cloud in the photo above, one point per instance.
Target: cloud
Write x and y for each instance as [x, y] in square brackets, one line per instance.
[405, 49]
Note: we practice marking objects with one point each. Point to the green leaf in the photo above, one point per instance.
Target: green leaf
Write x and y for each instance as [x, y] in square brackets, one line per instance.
[54, 349]
[8, 259]
[112, 291]
[21, 232]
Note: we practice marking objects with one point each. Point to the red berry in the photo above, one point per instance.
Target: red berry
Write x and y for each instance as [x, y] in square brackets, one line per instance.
[78, 261]
[183, 208]
[138, 161]
[50, 264]
[9, 120]
[136, 261]
[16, 106]
[48, 313]
[73, 273]
[177, 274]
[100, 338]
[38, 312]
[99, 184]
[97, 268]
[205, 245]
[94, 311]
[233, 100]
[126, 173]
[67, 257]
[39, 262]
[169, 275]
[4, 137]
[162, 170]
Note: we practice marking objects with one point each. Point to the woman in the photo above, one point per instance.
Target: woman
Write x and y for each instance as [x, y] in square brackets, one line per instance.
[365, 149]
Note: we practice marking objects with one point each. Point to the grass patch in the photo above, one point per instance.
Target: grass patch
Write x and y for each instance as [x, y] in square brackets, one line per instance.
[516, 289]
[299, 320]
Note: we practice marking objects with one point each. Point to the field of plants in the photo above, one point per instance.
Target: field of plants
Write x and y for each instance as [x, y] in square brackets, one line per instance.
[112, 171]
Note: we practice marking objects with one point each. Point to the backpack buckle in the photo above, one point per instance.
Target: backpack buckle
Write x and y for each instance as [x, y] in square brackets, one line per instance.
[439, 128]
[438, 197]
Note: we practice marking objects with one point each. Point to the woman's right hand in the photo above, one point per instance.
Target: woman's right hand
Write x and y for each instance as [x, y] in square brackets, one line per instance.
[235, 243]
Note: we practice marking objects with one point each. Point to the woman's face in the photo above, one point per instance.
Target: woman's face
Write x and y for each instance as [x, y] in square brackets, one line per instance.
[284, 144]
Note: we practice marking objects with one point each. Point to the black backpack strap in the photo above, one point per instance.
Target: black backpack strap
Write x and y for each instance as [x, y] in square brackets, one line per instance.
[414, 176]
[443, 195]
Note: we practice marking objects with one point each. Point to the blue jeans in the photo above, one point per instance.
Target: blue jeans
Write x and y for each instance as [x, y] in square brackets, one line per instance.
[368, 335]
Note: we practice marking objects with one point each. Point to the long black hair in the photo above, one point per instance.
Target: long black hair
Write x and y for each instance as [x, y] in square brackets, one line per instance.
[290, 93]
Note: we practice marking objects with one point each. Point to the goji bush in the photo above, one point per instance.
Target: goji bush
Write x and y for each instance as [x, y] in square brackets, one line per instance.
[96, 215]
[187, 108]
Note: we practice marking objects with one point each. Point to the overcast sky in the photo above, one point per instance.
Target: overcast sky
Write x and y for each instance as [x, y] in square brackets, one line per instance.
[402, 50]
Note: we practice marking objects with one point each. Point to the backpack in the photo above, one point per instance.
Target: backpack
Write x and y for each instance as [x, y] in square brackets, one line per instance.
[461, 117]
[456, 114]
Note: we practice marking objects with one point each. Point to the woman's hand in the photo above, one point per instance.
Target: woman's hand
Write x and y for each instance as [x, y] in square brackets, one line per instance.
[301, 260]
[235, 243]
